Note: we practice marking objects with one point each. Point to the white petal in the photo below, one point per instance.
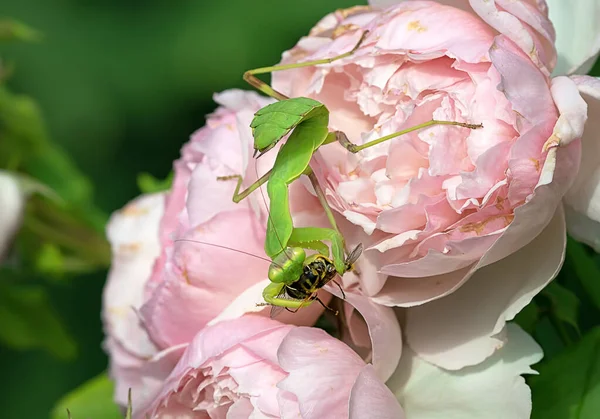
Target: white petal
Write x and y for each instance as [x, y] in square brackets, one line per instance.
[464, 327]
[491, 390]
[133, 235]
[577, 34]
[12, 201]
[582, 228]
[572, 109]
[584, 195]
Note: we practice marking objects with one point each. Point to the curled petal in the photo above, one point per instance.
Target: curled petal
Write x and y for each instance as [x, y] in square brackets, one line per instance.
[384, 331]
[573, 112]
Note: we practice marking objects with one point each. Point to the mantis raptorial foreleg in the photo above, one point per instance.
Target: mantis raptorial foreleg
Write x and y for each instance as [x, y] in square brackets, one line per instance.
[272, 296]
[250, 75]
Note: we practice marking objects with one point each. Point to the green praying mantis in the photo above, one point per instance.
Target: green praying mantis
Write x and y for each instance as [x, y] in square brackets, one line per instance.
[295, 277]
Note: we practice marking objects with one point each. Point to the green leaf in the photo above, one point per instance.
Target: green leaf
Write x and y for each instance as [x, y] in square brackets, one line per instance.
[565, 304]
[12, 30]
[149, 184]
[26, 146]
[27, 321]
[92, 400]
[586, 269]
[568, 387]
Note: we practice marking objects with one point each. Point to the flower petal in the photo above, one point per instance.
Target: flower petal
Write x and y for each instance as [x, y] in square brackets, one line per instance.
[491, 390]
[583, 197]
[247, 302]
[446, 333]
[321, 372]
[12, 202]
[573, 112]
[370, 398]
[577, 34]
[384, 330]
[583, 228]
[133, 235]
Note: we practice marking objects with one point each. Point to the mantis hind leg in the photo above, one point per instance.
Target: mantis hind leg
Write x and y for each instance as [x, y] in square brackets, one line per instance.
[237, 195]
[250, 75]
[340, 137]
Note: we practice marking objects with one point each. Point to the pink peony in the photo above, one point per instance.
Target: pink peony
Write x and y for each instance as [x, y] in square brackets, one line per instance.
[447, 210]
[162, 292]
[255, 367]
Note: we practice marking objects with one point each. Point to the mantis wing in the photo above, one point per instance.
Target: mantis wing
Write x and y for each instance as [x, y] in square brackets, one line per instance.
[275, 121]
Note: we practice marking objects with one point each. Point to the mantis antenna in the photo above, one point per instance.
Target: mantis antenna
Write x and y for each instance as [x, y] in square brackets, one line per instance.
[227, 248]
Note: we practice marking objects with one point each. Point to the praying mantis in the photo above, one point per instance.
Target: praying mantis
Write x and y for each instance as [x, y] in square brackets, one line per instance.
[295, 277]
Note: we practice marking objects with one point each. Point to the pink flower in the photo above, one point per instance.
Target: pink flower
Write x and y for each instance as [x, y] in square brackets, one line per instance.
[474, 216]
[133, 234]
[256, 367]
[162, 292]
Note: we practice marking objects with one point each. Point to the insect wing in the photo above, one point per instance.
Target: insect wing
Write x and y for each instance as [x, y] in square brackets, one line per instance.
[355, 254]
[276, 310]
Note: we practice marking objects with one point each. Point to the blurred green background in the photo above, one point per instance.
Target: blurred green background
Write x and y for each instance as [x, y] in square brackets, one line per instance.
[121, 86]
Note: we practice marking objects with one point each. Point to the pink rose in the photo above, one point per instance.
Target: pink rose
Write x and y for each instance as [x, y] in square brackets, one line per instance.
[474, 216]
[257, 367]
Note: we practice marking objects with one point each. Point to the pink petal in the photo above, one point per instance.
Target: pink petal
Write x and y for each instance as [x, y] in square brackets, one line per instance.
[195, 288]
[514, 22]
[440, 29]
[524, 85]
[384, 330]
[321, 372]
[370, 398]
[215, 341]
[247, 302]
